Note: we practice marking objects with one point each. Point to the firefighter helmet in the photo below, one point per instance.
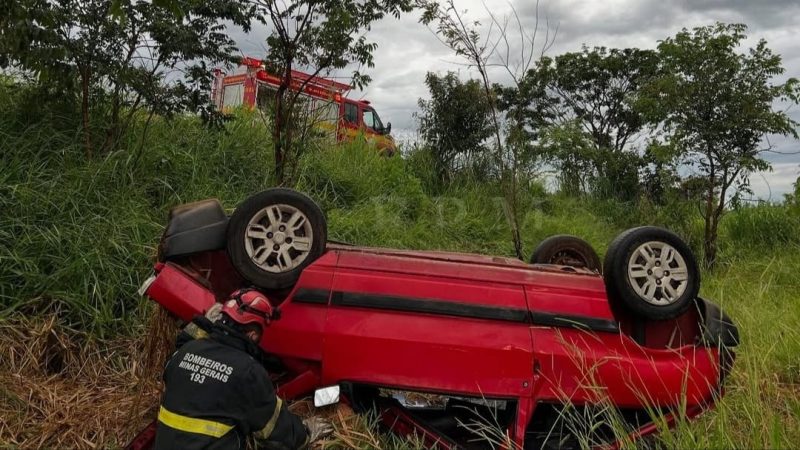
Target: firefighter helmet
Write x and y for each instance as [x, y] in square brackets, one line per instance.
[248, 306]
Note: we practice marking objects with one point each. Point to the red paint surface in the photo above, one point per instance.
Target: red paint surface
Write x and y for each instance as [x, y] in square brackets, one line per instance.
[324, 344]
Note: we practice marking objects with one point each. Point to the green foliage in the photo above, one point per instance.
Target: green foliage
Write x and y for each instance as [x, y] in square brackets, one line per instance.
[716, 103]
[354, 172]
[597, 89]
[77, 238]
[573, 154]
[793, 199]
[582, 107]
[762, 227]
[318, 36]
[114, 58]
[454, 124]
[421, 165]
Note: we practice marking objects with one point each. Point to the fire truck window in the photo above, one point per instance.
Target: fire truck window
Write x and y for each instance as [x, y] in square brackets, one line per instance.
[369, 118]
[232, 95]
[325, 111]
[265, 97]
[304, 106]
[351, 113]
[372, 120]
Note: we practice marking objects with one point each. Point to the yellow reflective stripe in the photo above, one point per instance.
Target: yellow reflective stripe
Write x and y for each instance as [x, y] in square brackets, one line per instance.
[270, 426]
[194, 331]
[192, 425]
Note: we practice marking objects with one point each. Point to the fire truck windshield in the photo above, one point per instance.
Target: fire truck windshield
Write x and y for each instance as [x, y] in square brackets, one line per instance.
[372, 120]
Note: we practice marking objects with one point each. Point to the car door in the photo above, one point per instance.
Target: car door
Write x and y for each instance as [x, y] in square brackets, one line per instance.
[425, 325]
[299, 331]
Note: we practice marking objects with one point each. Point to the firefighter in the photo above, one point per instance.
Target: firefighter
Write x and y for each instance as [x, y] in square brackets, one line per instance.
[217, 394]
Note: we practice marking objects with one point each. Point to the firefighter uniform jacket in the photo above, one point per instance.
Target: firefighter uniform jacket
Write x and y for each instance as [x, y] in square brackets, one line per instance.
[217, 395]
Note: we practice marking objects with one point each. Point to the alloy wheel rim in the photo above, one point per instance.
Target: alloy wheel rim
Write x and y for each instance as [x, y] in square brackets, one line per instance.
[658, 273]
[278, 238]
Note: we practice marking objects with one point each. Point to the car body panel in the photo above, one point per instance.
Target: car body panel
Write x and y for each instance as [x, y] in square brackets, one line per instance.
[393, 324]
[469, 325]
[300, 331]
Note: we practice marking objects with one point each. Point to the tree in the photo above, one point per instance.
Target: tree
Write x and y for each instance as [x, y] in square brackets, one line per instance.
[118, 57]
[572, 153]
[717, 104]
[596, 90]
[318, 36]
[454, 123]
[510, 151]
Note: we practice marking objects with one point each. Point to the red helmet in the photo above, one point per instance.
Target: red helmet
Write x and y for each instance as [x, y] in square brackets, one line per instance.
[247, 306]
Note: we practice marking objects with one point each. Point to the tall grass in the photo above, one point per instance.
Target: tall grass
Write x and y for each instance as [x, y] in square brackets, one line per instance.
[77, 237]
[762, 227]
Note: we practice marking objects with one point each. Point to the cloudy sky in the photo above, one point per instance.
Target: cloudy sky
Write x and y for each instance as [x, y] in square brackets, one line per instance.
[408, 50]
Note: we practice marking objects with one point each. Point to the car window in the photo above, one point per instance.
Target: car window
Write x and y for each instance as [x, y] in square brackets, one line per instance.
[351, 113]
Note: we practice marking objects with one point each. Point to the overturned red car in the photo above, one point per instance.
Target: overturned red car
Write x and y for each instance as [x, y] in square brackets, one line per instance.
[556, 353]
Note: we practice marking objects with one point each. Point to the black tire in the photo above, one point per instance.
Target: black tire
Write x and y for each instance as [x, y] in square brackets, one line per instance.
[257, 204]
[672, 291]
[566, 250]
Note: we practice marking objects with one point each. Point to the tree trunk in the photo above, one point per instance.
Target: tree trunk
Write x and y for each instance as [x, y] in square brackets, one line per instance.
[277, 134]
[288, 138]
[277, 138]
[87, 135]
[710, 249]
[710, 229]
[510, 184]
[280, 138]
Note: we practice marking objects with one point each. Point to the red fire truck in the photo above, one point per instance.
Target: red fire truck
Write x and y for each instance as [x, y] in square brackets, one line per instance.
[251, 85]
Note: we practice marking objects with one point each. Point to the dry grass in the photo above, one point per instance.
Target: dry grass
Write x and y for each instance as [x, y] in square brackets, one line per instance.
[60, 389]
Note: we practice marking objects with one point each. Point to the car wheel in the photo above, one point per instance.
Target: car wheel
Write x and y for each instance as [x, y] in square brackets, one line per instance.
[651, 272]
[566, 250]
[273, 235]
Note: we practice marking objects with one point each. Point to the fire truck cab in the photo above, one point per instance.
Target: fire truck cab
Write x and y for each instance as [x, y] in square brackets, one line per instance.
[252, 86]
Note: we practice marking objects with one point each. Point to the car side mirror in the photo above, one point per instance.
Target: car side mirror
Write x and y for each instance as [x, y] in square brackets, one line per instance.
[388, 128]
[326, 396]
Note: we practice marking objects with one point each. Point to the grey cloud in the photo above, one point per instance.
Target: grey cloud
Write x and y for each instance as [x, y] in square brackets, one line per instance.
[577, 18]
[764, 13]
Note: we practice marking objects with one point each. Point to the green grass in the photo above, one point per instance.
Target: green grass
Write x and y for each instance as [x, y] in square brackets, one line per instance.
[762, 405]
[77, 238]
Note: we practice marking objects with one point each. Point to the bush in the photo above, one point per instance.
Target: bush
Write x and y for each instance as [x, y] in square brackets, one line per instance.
[349, 174]
[420, 162]
[77, 237]
[760, 227]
